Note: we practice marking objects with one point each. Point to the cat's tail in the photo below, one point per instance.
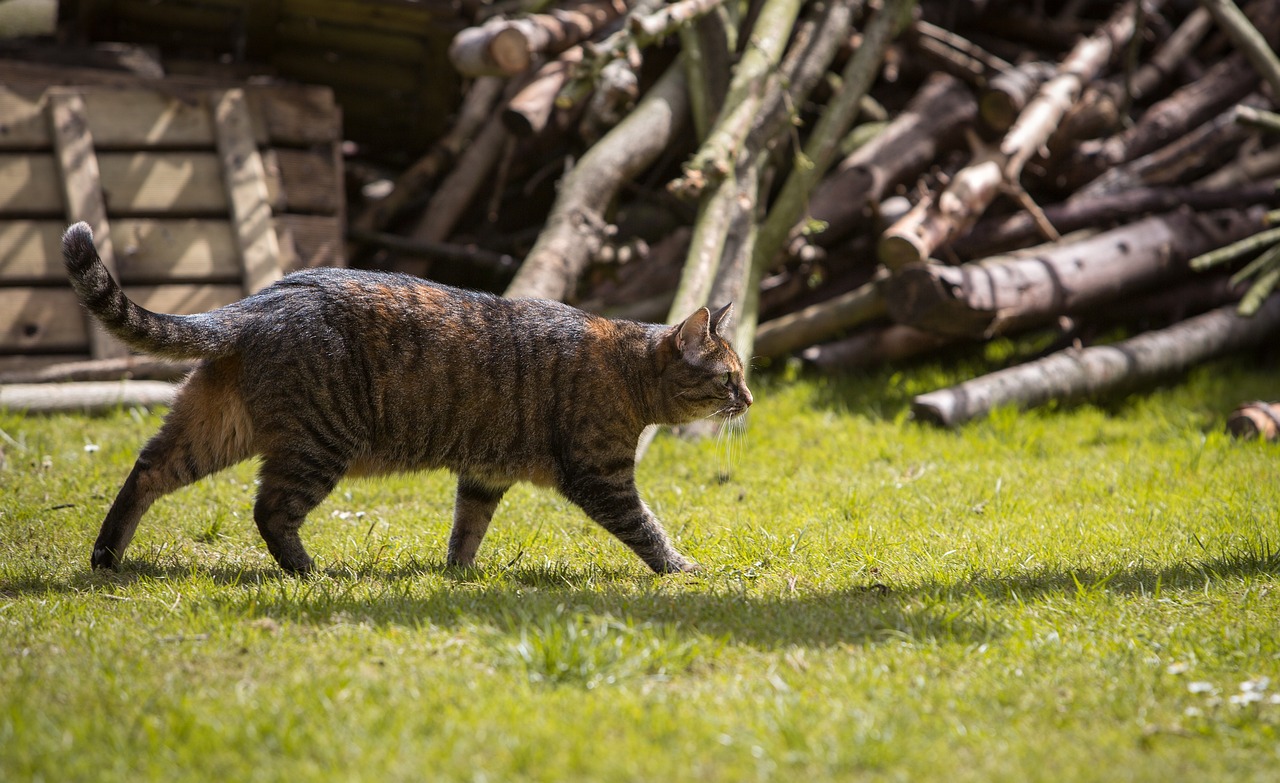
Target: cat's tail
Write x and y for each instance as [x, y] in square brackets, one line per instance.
[173, 336]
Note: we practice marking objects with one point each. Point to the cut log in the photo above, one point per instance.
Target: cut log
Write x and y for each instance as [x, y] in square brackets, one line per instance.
[1255, 420]
[1075, 374]
[511, 46]
[126, 368]
[996, 295]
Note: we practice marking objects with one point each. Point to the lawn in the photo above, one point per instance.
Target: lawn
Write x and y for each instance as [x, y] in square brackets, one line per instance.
[1080, 594]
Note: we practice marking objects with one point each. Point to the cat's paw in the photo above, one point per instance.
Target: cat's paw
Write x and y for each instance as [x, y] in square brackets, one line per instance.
[678, 565]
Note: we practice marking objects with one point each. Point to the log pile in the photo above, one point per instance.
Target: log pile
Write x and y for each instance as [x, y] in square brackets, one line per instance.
[869, 180]
[872, 181]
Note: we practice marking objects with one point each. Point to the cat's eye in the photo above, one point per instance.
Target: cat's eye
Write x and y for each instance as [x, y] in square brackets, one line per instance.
[727, 379]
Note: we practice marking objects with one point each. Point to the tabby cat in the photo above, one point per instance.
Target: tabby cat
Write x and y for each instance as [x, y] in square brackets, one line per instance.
[333, 372]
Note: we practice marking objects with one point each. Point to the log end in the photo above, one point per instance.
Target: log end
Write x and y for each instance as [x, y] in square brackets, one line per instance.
[939, 408]
[897, 250]
[1255, 420]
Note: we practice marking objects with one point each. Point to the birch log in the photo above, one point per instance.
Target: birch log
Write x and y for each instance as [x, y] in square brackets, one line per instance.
[1075, 374]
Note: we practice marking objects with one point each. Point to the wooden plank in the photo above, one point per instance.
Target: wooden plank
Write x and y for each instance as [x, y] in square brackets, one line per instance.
[134, 118]
[394, 45]
[23, 124]
[245, 180]
[189, 183]
[31, 251]
[190, 250]
[29, 185]
[77, 166]
[24, 362]
[419, 17]
[34, 320]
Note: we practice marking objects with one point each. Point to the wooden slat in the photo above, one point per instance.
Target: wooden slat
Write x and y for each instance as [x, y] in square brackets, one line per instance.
[152, 182]
[31, 251]
[23, 124]
[40, 320]
[302, 115]
[29, 185]
[188, 183]
[134, 118]
[245, 179]
[77, 166]
[151, 250]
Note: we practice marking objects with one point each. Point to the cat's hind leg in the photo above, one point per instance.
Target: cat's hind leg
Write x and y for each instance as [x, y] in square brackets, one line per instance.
[206, 430]
[472, 511]
[290, 486]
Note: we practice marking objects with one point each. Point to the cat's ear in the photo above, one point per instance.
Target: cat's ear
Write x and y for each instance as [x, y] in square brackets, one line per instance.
[693, 330]
[720, 319]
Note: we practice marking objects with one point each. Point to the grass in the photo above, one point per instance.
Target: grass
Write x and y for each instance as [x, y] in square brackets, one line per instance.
[1083, 594]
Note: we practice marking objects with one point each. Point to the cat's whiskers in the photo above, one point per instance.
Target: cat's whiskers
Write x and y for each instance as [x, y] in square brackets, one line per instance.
[731, 432]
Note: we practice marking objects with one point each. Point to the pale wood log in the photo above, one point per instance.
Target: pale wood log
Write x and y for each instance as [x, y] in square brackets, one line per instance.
[1009, 92]
[1103, 103]
[998, 295]
[124, 368]
[1099, 370]
[87, 397]
[971, 191]
[668, 19]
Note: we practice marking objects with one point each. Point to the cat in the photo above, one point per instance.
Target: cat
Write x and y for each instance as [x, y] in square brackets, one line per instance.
[334, 372]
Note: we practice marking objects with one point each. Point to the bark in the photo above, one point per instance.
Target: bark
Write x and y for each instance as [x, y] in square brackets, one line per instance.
[820, 321]
[669, 19]
[1222, 87]
[449, 253]
[930, 123]
[820, 152]
[874, 347]
[575, 227]
[955, 54]
[1198, 151]
[1254, 44]
[1076, 374]
[1074, 214]
[998, 295]
[971, 191]
[1101, 107]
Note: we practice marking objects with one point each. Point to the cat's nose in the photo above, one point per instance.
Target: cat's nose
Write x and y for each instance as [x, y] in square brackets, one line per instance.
[747, 399]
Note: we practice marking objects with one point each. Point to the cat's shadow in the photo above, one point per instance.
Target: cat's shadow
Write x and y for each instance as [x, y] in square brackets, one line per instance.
[515, 599]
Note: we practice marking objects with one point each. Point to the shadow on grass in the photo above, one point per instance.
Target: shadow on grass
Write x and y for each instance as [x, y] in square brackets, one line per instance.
[520, 597]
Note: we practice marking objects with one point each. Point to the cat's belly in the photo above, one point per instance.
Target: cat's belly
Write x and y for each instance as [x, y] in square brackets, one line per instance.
[533, 472]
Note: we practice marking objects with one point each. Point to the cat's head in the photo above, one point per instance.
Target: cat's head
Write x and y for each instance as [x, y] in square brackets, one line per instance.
[703, 375]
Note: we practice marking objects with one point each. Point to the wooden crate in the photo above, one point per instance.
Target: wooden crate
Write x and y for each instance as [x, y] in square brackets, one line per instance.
[386, 60]
[198, 195]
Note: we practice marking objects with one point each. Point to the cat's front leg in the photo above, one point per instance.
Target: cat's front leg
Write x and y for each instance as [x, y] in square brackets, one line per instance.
[476, 501]
[613, 502]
